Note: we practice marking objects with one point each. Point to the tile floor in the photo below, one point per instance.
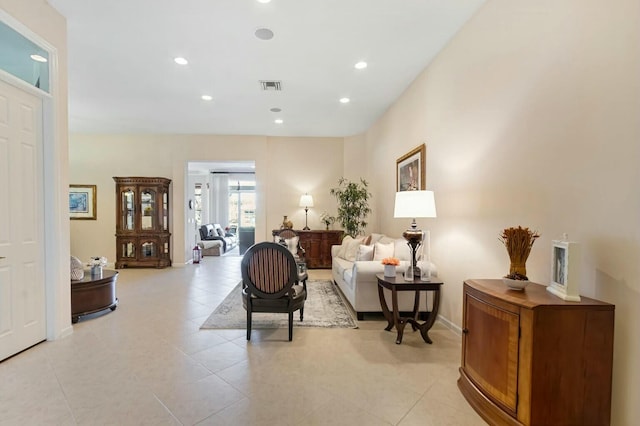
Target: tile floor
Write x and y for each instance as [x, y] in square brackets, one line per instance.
[149, 363]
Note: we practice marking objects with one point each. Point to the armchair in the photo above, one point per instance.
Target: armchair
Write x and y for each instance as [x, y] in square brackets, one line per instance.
[270, 283]
[291, 240]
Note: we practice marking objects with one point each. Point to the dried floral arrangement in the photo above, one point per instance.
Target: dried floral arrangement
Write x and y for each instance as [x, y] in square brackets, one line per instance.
[518, 242]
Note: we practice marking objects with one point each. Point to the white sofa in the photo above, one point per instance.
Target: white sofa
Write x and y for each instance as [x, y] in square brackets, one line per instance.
[357, 278]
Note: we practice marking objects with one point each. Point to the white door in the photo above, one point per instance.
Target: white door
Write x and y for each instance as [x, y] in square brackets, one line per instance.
[22, 286]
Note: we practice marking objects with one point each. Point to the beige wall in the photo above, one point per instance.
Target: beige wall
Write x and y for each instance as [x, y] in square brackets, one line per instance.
[285, 169]
[531, 117]
[50, 29]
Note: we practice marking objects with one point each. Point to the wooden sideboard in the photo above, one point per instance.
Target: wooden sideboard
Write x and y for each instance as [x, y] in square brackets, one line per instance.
[317, 246]
[531, 358]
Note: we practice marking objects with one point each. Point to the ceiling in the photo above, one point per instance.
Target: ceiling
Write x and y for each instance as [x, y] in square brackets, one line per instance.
[123, 78]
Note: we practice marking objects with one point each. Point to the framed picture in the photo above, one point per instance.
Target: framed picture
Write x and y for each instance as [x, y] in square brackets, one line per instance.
[82, 202]
[564, 270]
[410, 170]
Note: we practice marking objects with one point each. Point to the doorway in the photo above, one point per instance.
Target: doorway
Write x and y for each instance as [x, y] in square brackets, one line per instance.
[221, 192]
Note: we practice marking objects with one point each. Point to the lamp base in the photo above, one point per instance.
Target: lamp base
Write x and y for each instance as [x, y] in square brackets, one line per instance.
[306, 228]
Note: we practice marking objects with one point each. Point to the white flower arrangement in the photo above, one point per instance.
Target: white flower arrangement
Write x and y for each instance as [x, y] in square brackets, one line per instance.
[327, 219]
[97, 261]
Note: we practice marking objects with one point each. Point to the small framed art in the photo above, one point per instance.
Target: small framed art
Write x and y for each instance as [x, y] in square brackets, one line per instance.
[410, 170]
[82, 202]
[565, 258]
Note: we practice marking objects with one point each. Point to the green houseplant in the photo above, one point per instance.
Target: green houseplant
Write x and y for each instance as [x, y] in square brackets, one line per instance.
[353, 205]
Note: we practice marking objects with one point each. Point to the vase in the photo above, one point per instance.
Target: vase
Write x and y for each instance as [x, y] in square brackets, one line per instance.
[286, 223]
[96, 272]
[389, 270]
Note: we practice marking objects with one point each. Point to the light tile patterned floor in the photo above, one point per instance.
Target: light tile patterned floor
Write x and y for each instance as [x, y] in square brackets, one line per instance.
[149, 363]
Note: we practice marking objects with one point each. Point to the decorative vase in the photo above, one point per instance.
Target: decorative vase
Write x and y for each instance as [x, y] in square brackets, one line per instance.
[96, 272]
[286, 223]
[389, 270]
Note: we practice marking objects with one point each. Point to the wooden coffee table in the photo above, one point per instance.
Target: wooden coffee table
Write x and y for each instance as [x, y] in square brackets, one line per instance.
[396, 284]
[93, 294]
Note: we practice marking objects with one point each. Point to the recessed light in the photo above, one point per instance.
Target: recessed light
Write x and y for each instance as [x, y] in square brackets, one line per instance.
[207, 97]
[360, 65]
[278, 121]
[264, 33]
[181, 61]
[345, 100]
[38, 58]
[275, 110]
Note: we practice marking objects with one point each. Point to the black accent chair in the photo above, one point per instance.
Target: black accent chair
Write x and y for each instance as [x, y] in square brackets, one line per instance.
[270, 283]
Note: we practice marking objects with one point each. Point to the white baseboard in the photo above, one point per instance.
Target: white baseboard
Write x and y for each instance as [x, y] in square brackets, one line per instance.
[451, 326]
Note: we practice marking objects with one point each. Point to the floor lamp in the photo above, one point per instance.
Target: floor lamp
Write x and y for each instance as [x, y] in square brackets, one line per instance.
[306, 201]
[414, 204]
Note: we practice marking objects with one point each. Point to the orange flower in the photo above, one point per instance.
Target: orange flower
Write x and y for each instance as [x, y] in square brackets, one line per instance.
[390, 261]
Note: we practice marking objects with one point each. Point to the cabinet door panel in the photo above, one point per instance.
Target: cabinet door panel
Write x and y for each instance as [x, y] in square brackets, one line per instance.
[490, 350]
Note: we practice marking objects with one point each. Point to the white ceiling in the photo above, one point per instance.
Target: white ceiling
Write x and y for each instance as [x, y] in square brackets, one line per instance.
[122, 77]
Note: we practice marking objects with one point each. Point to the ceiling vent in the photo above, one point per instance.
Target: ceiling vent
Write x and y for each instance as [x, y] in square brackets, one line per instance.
[271, 85]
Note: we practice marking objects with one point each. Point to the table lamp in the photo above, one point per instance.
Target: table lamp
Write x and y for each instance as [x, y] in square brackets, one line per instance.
[306, 201]
[414, 204]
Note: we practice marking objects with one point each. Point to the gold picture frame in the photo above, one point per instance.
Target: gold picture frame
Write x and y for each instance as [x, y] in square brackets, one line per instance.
[410, 170]
[83, 202]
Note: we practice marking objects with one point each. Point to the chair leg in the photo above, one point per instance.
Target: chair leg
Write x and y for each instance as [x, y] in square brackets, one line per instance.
[301, 313]
[248, 323]
[290, 325]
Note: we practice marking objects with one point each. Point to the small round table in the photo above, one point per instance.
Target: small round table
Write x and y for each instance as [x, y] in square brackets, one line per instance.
[398, 283]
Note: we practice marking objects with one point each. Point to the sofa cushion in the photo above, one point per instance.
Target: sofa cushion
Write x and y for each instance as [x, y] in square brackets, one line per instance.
[365, 252]
[351, 250]
[382, 250]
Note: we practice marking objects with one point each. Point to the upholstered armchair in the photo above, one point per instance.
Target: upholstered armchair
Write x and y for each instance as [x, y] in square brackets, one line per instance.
[270, 283]
[291, 240]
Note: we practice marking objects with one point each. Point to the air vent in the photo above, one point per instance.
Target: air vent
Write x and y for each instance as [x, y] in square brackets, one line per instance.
[271, 85]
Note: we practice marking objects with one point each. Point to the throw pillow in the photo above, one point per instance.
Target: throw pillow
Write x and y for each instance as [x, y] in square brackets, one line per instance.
[382, 250]
[220, 232]
[352, 249]
[292, 245]
[365, 252]
[343, 247]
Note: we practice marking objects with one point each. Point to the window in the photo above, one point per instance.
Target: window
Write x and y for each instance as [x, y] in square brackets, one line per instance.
[242, 202]
[197, 201]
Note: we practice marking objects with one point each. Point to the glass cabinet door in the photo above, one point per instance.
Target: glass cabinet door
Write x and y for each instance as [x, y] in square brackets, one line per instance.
[148, 249]
[147, 204]
[128, 250]
[127, 209]
[165, 211]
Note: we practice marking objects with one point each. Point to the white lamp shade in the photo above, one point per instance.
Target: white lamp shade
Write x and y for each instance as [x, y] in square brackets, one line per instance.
[415, 204]
[306, 201]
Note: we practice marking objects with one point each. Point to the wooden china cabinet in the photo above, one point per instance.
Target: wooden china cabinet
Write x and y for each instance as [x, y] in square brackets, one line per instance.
[142, 222]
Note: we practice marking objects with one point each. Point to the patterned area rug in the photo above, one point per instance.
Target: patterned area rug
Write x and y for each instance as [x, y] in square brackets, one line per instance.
[324, 308]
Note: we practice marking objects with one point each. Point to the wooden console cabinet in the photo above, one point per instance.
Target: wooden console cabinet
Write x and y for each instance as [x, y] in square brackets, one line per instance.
[317, 246]
[530, 358]
[142, 222]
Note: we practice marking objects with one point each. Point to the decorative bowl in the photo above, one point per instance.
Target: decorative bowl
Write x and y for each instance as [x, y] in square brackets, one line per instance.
[515, 284]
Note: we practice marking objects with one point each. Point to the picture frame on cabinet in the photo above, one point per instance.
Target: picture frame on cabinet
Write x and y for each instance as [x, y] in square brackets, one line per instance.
[83, 202]
[565, 258]
[410, 170]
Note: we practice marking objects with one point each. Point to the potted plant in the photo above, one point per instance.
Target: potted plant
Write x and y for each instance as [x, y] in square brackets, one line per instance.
[353, 205]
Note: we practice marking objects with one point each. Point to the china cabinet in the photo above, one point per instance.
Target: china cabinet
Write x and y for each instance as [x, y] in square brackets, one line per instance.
[142, 222]
[531, 358]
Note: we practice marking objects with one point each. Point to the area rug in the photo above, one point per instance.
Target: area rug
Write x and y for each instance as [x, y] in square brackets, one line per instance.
[323, 308]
